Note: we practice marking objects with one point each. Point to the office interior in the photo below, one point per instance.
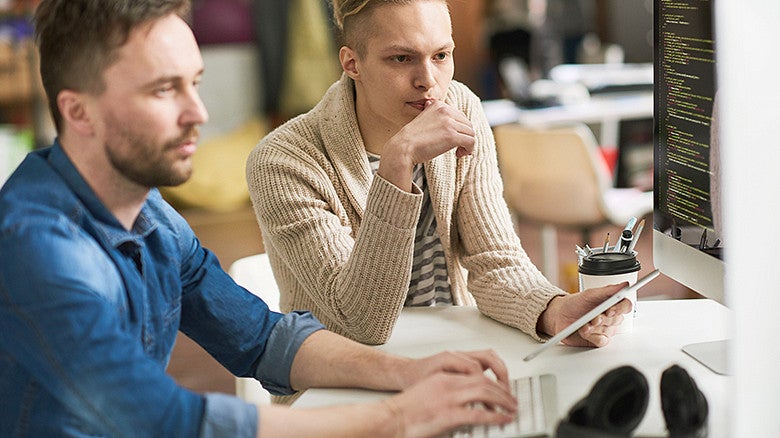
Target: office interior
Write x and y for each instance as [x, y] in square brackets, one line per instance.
[246, 97]
[248, 90]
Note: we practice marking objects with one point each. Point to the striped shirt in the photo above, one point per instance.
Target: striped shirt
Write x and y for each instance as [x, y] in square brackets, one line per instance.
[429, 284]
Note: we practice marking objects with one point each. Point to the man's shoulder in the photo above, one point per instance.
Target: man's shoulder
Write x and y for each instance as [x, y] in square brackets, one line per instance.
[333, 115]
[295, 130]
[461, 93]
[40, 220]
[462, 97]
[300, 139]
[34, 192]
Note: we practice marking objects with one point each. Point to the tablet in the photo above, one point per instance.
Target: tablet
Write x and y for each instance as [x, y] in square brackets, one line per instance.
[601, 308]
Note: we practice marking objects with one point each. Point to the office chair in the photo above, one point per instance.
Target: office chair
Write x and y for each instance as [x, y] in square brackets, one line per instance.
[556, 177]
[254, 273]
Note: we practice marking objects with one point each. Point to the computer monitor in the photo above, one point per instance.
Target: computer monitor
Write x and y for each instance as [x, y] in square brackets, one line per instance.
[688, 237]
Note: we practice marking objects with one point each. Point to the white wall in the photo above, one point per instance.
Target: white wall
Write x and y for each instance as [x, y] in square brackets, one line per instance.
[749, 37]
[231, 88]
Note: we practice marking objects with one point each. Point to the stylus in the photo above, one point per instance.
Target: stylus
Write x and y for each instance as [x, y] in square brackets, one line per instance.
[601, 308]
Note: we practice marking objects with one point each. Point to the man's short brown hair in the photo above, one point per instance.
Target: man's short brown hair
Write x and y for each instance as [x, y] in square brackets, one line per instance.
[78, 40]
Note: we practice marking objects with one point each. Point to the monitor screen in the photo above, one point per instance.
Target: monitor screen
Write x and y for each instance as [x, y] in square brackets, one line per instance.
[688, 238]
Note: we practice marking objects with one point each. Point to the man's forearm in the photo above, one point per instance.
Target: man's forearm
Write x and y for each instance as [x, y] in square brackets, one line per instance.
[326, 359]
[355, 420]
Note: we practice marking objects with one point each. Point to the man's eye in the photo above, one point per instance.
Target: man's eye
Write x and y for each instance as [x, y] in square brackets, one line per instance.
[163, 90]
[442, 56]
[400, 58]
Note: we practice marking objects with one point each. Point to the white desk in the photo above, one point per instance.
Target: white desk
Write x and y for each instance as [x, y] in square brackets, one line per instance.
[660, 330]
[606, 109]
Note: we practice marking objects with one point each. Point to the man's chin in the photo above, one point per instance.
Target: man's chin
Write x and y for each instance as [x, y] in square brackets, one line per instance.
[177, 180]
[175, 176]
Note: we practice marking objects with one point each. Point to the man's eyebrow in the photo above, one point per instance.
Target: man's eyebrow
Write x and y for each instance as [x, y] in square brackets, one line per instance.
[163, 80]
[398, 48]
[169, 78]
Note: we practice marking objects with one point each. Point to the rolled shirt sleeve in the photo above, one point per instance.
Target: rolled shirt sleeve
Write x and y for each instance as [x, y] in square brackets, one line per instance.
[273, 369]
[228, 416]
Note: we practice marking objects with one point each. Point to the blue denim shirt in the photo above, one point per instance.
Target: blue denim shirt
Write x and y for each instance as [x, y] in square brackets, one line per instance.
[89, 314]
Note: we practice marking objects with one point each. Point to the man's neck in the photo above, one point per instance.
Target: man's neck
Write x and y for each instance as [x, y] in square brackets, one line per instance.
[127, 212]
[374, 133]
[123, 198]
[374, 137]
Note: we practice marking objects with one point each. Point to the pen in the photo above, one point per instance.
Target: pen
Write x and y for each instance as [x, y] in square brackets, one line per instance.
[625, 241]
[639, 229]
[628, 228]
[606, 243]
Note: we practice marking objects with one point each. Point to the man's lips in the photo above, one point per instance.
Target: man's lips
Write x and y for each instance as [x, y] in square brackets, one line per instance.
[187, 144]
[187, 147]
[420, 104]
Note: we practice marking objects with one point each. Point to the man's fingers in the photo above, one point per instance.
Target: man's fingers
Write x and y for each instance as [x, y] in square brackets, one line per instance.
[490, 360]
[599, 331]
[483, 391]
[476, 362]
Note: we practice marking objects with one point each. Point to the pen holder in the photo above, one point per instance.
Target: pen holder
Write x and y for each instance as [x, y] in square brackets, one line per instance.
[598, 269]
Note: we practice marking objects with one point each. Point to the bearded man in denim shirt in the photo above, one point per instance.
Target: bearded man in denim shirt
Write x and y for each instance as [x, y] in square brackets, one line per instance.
[98, 273]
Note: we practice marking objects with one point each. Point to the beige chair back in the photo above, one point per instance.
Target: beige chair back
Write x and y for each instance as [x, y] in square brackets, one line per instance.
[553, 175]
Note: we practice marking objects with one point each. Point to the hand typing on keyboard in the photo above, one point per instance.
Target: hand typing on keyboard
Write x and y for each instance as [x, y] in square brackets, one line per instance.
[536, 411]
[444, 389]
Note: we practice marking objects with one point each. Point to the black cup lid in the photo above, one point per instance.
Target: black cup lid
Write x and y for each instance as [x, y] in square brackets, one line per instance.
[609, 263]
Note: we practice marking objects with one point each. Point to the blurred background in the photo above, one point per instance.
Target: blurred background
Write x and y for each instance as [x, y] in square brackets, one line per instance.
[270, 60]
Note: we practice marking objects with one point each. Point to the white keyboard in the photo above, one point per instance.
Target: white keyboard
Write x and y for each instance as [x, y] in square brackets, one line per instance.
[537, 407]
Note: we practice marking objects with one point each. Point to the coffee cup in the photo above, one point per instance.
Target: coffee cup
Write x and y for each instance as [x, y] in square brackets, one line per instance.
[599, 269]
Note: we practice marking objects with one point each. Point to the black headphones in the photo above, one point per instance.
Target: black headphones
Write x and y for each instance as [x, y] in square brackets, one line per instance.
[617, 402]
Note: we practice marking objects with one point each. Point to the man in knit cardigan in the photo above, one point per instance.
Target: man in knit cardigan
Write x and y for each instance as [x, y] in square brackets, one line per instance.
[387, 193]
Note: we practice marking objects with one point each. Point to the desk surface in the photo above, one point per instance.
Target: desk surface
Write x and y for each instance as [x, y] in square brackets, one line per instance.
[597, 109]
[606, 110]
[661, 329]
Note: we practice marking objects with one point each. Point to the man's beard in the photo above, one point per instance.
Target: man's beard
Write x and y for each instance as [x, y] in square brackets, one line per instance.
[143, 170]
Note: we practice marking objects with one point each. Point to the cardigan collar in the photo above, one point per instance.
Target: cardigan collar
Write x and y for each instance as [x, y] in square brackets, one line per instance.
[343, 143]
[346, 150]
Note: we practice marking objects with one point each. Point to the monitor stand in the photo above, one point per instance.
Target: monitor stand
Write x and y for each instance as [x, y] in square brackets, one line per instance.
[713, 355]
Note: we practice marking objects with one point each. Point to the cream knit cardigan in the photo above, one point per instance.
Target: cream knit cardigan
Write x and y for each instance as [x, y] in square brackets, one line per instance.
[340, 241]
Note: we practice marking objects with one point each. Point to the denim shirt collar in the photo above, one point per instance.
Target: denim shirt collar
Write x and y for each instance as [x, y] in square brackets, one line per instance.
[114, 233]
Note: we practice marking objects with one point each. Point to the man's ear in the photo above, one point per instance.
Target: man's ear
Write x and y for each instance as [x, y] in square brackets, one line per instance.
[75, 113]
[348, 60]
